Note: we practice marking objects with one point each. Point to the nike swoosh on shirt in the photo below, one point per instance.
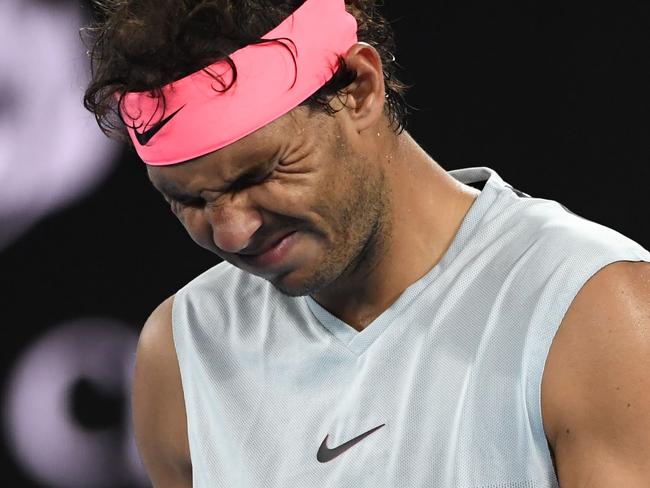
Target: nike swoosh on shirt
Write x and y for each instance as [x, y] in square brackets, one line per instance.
[326, 454]
[144, 137]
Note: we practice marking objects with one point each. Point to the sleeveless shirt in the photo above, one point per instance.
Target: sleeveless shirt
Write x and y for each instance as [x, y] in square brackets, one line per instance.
[450, 373]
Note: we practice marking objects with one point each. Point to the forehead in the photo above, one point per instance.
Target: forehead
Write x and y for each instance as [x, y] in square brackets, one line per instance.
[226, 164]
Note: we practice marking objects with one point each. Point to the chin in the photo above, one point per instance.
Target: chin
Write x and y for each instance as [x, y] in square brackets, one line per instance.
[293, 288]
[297, 286]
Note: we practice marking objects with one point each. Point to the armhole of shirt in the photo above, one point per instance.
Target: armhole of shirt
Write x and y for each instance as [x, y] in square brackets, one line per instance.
[179, 342]
[541, 338]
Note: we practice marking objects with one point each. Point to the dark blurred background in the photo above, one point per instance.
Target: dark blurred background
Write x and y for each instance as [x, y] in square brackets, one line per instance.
[552, 95]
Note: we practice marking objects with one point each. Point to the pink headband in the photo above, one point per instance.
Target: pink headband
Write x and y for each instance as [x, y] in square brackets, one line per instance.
[198, 119]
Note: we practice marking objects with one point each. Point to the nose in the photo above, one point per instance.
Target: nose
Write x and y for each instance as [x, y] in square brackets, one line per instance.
[233, 224]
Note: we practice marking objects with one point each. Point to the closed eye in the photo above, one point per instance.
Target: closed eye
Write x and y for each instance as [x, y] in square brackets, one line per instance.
[193, 202]
[185, 201]
[250, 179]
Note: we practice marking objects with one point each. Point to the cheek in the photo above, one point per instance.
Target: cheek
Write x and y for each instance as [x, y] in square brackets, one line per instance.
[196, 226]
[298, 196]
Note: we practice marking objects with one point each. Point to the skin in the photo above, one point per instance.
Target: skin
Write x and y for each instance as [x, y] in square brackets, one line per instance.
[372, 213]
[596, 386]
[240, 201]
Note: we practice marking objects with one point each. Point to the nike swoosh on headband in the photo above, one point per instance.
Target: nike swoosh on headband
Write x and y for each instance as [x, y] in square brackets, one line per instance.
[272, 78]
[144, 137]
[326, 454]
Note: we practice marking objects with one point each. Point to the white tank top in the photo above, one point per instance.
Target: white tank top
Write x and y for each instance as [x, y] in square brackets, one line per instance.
[441, 390]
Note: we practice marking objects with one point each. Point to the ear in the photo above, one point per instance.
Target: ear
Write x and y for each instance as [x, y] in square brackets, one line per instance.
[365, 97]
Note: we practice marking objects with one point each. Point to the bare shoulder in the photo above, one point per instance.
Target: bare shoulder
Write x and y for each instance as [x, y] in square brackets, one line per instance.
[158, 404]
[596, 383]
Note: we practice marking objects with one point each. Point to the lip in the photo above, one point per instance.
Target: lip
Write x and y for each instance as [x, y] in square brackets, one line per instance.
[273, 256]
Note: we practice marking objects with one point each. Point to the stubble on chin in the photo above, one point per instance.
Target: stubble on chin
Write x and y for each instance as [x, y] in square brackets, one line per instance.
[361, 226]
[357, 254]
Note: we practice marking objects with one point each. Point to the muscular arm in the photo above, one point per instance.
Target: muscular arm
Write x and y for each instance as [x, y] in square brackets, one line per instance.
[596, 385]
[158, 404]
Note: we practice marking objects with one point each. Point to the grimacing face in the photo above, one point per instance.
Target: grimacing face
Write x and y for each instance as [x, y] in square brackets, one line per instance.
[294, 202]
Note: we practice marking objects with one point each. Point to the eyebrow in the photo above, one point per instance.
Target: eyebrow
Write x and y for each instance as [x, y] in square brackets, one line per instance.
[170, 190]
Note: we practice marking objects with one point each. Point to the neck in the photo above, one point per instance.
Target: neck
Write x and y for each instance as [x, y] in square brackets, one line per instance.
[426, 209]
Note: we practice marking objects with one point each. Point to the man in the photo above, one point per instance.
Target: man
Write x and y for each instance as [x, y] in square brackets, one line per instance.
[377, 321]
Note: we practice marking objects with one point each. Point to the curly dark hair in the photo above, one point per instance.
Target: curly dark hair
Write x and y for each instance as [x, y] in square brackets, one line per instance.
[143, 45]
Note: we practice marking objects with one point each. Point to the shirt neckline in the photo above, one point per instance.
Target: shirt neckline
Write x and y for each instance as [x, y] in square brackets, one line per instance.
[358, 342]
